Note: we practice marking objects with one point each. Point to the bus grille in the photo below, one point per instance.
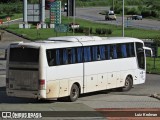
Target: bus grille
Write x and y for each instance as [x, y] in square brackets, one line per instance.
[26, 80]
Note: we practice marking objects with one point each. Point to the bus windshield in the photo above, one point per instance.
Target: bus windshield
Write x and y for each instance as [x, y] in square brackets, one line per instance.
[140, 55]
[23, 54]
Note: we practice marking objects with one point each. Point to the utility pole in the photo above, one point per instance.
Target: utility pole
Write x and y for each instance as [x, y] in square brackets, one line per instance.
[74, 15]
[113, 5]
[123, 20]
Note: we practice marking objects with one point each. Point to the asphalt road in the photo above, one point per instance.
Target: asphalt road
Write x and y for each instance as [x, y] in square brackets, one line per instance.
[136, 99]
[92, 14]
[137, 92]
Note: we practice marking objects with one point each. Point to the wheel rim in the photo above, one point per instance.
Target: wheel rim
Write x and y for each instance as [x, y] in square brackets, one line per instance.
[74, 92]
[127, 83]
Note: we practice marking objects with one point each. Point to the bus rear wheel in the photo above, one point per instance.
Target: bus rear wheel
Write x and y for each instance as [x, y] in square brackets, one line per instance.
[128, 84]
[74, 93]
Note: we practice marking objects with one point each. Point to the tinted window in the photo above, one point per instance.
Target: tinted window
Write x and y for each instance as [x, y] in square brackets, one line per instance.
[140, 55]
[64, 56]
[87, 54]
[74, 55]
[24, 55]
[51, 57]
[119, 50]
[130, 50]
[124, 50]
[113, 52]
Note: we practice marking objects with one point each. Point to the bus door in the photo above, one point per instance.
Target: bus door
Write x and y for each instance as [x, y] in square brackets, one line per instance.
[141, 62]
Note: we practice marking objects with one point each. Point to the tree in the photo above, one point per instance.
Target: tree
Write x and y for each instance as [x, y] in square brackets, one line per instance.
[153, 4]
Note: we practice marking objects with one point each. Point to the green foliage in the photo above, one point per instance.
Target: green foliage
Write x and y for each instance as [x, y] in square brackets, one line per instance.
[133, 11]
[150, 65]
[87, 3]
[11, 8]
[133, 2]
[103, 31]
[79, 30]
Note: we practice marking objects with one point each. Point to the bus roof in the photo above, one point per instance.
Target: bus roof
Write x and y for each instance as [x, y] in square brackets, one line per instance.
[70, 41]
[75, 38]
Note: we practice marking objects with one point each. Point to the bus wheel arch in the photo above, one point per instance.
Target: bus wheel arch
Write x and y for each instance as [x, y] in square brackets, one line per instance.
[128, 83]
[74, 92]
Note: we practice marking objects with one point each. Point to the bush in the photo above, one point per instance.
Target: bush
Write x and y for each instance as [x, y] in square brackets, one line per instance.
[155, 13]
[85, 30]
[117, 8]
[109, 31]
[80, 30]
[98, 31]
[133, 11]
[103, 31]
[146, 13]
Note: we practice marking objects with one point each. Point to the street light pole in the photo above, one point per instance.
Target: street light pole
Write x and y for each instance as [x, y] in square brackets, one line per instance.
[74, 9]
[123, 21]
[113, 5]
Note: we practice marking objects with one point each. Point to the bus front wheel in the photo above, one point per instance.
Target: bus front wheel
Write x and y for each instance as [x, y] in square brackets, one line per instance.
[128, 84]
[74, 93]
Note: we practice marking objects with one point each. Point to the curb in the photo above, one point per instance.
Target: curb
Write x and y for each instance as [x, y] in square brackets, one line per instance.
[11, 20]
[17, 34]
[157, 96]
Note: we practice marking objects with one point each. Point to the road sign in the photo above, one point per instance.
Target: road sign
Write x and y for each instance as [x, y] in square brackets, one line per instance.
[55, 12]
[8, 18]
[61, 28]
[1, 21]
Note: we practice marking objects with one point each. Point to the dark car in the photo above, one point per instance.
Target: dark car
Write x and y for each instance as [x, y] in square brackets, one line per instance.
[136, 17]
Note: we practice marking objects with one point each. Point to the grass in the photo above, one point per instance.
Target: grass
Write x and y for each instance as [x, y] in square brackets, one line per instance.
[153, 64]
[151, 68]
[35, 34]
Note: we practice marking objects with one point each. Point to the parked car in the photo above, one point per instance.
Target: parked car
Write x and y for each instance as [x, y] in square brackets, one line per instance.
[136, 17]
[110, 16]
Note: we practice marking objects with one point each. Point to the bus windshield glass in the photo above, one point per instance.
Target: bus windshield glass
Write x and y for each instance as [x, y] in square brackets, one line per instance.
[23, 54]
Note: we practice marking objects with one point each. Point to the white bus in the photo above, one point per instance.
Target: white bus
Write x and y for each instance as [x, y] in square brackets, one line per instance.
[72, 65]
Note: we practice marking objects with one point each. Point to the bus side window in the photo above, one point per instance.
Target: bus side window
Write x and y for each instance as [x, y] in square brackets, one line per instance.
[130, 50]
[87, 54]
[113, 52]
[59, 56]
[79, 55]
[119, 51]
[65, 56]
[107, 52]
[94, 53]
[73, 56]
[124, 50]
[51, 57]
[102, 52]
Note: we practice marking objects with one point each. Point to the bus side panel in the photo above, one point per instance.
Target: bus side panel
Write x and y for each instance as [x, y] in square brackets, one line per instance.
[110, 71]
[52, 89]
[72, 73]
[141, 76]
[124, 75]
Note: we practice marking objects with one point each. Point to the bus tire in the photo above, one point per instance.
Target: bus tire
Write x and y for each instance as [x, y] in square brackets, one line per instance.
[128, 84]
[74, 93]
